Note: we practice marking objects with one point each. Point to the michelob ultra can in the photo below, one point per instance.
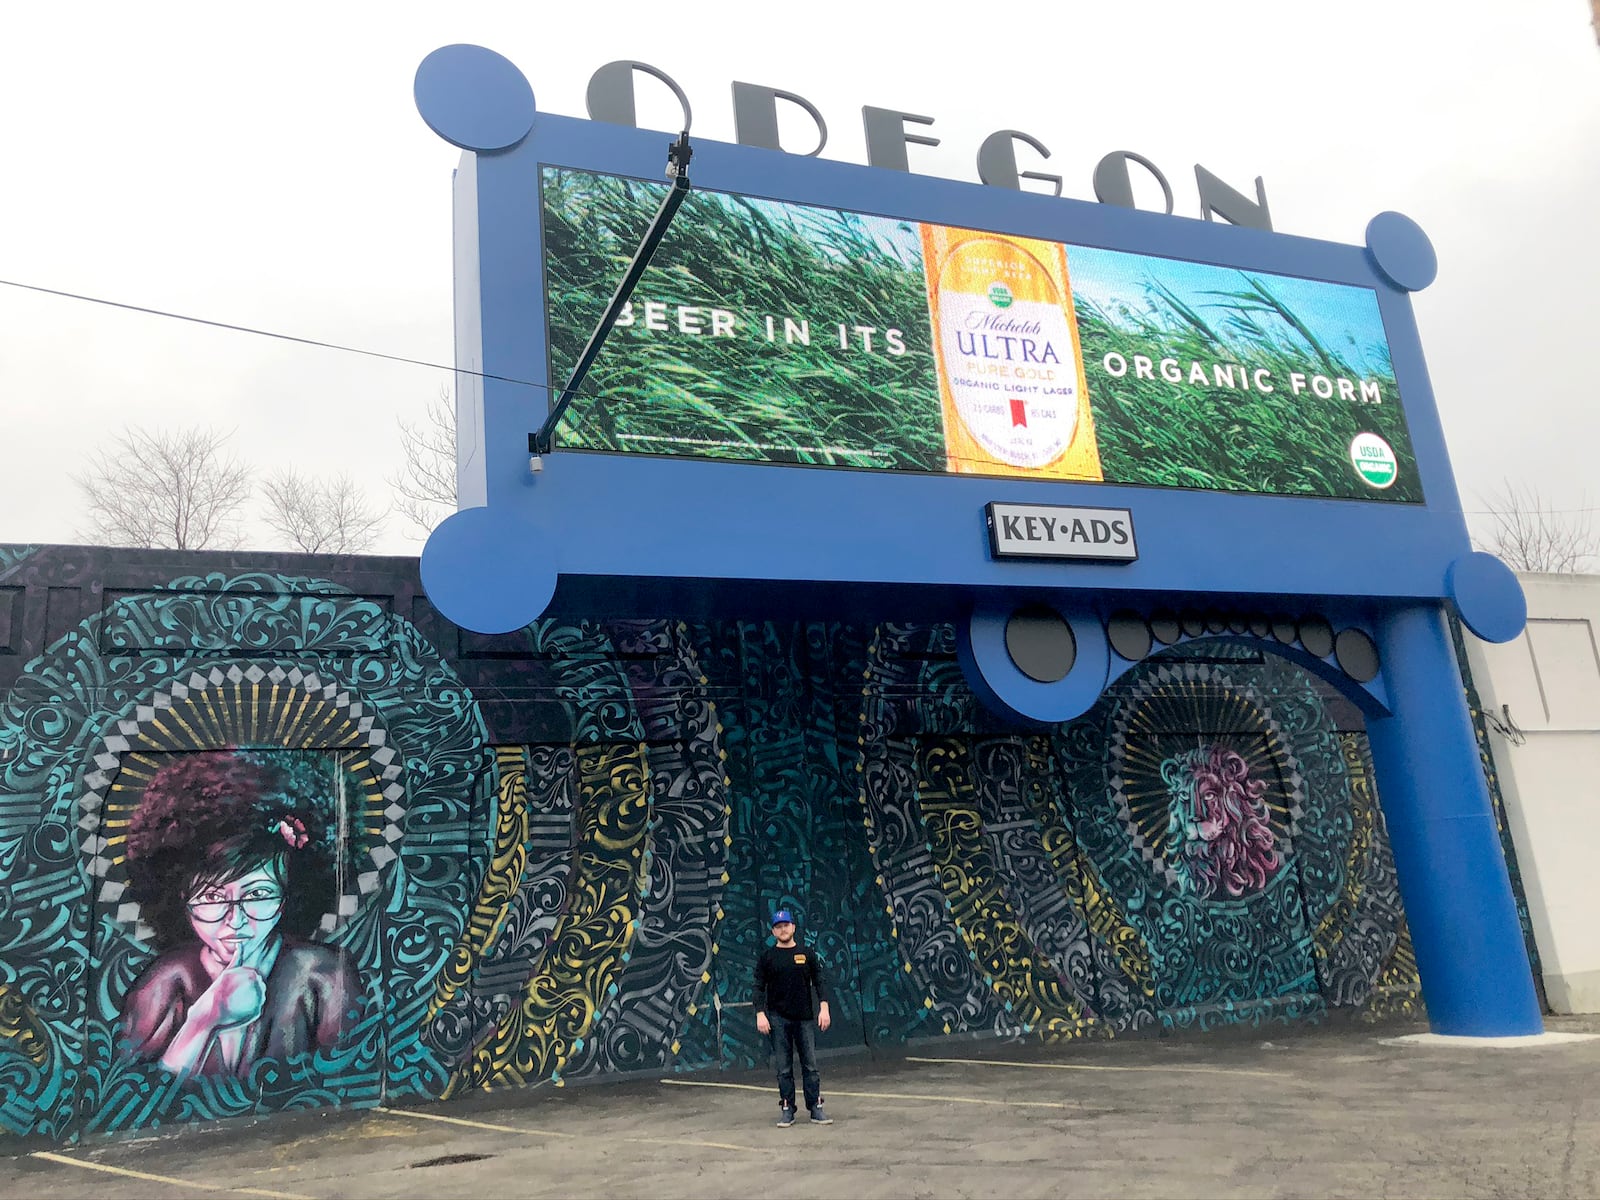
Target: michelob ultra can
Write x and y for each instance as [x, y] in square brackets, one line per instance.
[1011, 382]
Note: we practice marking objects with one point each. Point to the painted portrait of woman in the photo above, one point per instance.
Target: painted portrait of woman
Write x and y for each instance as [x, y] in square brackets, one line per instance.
[231, 856]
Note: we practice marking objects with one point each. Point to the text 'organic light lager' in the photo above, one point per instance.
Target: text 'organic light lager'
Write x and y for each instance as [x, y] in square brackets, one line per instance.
[1011, 379]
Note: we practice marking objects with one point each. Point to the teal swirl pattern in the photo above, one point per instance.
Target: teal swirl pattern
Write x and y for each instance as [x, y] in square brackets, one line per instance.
[587, 898]
[12, 557]
[85, 704]
[787, 695]
[593, 932]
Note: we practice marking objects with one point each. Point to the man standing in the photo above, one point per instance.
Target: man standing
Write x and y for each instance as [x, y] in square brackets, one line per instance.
[786, 976]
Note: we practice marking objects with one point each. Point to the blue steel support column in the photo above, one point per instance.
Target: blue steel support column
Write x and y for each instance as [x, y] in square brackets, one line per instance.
[1474, 965]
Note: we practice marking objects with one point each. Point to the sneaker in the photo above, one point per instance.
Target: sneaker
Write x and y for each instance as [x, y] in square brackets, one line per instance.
[818, 1117]
[785, 1117]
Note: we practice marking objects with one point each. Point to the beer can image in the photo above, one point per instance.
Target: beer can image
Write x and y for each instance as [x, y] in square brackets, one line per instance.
[1012, 391]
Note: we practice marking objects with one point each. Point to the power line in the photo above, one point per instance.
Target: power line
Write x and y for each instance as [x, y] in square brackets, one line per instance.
[282, 337]
[1534, 512]
[419, 362]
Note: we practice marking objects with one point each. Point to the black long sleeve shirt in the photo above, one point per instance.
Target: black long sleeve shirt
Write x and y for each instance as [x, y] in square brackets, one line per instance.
[785, 980]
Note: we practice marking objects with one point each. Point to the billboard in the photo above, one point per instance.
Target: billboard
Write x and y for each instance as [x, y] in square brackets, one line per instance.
[1078, 433]
[776, 332]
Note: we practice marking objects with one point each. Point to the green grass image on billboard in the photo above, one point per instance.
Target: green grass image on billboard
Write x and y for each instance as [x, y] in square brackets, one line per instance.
[683, 378]
[1301, 338]
[782, 333]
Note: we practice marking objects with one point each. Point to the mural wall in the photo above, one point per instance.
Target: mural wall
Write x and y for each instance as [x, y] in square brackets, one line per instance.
[274, 836]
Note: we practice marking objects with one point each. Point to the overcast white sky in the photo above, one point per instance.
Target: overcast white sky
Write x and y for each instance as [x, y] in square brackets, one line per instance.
[264, 165]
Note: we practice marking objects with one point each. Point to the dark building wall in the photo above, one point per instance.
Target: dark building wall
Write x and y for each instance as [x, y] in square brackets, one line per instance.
[520, 860]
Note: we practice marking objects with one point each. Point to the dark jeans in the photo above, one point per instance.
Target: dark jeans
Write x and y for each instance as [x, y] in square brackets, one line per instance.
[786, 1038]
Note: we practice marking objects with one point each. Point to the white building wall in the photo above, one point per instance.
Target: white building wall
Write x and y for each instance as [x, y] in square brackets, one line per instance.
[1542, 695]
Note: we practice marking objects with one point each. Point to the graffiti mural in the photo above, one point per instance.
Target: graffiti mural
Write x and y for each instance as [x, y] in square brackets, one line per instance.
[273, 837]
[231, 856]
[145, 789]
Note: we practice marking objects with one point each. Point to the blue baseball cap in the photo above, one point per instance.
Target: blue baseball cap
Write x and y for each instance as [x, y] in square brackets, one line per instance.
[781, 916]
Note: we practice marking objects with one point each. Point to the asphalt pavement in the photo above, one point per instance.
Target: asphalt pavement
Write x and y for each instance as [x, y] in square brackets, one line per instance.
[1283, 1113]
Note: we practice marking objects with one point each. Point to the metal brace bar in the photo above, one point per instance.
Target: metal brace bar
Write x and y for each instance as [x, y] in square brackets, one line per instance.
[678, 155]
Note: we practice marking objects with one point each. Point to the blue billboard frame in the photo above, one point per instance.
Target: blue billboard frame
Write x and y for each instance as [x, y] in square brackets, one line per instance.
[589, 533]
[751, 516]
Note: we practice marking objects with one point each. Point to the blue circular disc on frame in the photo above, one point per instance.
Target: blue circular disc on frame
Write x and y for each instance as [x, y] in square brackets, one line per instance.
[474, 98]
[1402, 251]
[1488, 596]
[486, 572]
[1000, 683]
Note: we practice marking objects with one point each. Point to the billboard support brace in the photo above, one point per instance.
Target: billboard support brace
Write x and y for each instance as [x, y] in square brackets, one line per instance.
[1476, 980]
[678, 155]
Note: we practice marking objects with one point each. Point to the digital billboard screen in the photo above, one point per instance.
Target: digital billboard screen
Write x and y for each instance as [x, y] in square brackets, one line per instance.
[773, 332]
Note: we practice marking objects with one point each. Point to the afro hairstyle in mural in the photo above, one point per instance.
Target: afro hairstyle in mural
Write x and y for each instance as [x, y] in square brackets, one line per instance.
[208, 818]
[238, 847]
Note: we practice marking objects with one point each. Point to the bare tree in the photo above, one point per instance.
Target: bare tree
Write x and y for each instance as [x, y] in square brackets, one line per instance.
[1530, 535]
[174, 489]
[425, 486]
[321, 516]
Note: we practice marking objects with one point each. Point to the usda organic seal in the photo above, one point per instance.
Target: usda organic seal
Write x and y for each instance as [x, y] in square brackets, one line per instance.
[1374, 460]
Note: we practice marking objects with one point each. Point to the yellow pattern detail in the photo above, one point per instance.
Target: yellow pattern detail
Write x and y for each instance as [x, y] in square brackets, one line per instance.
[1329, 930]
[1028, 984]
[20, 1027]
[500, 881]
[1080, 881]
[585, 953]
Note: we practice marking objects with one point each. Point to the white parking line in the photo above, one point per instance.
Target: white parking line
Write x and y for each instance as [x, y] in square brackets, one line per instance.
[991, 1062]
[422, 1116]
[917, 1096]
[147, 1177]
